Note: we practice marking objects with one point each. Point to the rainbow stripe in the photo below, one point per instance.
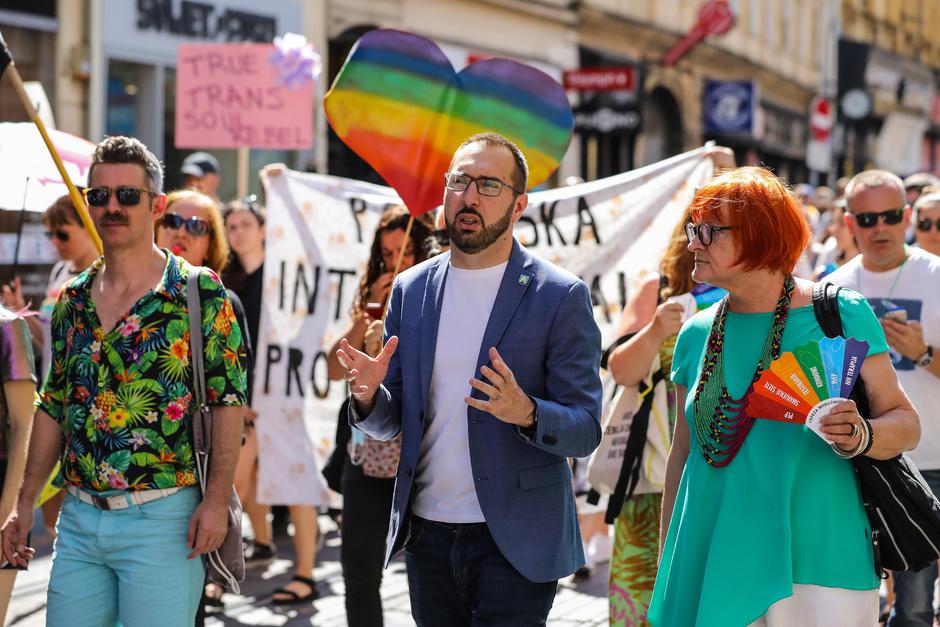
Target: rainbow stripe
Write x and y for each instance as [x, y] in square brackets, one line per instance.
[398, 103]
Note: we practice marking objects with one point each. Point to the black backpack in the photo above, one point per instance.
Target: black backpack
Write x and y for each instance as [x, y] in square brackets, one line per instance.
[903, 512]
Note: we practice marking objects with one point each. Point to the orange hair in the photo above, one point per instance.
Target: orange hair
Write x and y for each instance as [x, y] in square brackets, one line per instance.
[770, 228]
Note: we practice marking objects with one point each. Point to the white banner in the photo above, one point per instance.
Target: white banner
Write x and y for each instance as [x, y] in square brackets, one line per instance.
[318, 233]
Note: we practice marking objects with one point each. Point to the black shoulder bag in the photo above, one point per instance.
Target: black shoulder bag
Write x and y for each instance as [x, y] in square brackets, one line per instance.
[903, 512]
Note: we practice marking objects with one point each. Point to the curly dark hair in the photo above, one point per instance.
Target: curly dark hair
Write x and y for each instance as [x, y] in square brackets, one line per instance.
[393, 218]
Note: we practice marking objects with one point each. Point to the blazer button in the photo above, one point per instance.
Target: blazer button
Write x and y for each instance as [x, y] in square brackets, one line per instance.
[550, 440]
[408, 471]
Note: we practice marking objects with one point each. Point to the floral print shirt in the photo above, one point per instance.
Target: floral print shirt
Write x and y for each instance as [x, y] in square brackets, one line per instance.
[123, 397]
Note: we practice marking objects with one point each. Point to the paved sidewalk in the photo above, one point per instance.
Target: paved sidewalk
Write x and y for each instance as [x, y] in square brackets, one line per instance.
[584, 603]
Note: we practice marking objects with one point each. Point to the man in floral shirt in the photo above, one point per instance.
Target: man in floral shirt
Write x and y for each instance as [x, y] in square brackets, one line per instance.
[116, 411]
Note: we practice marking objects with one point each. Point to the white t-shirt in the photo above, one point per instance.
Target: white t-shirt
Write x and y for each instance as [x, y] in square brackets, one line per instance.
[444, 484]
[917, 291]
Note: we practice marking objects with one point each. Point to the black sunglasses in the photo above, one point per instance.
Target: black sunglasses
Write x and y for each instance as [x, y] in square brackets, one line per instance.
[59, 234]
[925, 224]
[126, 196]
[704, 232]
[869, 219]
[197, 227]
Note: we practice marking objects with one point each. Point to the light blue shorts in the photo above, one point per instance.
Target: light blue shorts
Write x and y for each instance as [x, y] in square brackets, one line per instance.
[125, 567]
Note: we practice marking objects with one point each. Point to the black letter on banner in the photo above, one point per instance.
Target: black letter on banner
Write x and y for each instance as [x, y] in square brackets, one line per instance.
[274, 356]
[320, 359]
[339, 291]
[535, 231]
[294, 359]
[358, 207]
[622, 284]
[302, 278]
[280, 291]
[583, 210]
[548, 215]
[597, 297]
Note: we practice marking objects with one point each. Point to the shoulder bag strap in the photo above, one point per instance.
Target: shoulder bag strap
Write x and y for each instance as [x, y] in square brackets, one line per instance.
[201, 440]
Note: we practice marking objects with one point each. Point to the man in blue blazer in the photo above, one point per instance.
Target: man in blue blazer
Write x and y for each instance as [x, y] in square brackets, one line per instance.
[490, 373]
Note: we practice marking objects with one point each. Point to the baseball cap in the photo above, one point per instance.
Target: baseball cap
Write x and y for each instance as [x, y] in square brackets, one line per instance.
[200, 164]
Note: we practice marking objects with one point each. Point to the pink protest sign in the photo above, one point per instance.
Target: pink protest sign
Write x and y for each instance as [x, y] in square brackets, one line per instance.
[236, 96]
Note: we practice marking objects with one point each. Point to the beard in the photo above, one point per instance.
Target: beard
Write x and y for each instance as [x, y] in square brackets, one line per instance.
[481, 239]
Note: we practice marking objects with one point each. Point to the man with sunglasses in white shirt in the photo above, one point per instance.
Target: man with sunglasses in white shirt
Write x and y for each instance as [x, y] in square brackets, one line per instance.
[903, 286]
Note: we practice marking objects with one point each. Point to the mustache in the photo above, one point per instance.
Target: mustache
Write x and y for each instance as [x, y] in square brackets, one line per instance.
[114, 218]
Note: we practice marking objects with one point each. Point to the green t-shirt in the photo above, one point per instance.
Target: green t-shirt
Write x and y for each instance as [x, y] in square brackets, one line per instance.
[786, 510]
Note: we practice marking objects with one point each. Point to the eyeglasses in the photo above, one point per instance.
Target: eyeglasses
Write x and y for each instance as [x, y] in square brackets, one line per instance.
[869, 219]
[197, 227]
[126, 196]
[704, 232]
[925, 224]
[58, 234]
[485, 185]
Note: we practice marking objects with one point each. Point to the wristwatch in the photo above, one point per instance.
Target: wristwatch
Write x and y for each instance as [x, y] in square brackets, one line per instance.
[926, 359]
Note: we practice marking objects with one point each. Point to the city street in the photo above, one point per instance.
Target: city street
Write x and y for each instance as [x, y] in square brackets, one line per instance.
[583, 603]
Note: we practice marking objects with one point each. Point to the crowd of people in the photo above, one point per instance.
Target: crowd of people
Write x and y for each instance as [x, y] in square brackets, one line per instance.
[474, 371]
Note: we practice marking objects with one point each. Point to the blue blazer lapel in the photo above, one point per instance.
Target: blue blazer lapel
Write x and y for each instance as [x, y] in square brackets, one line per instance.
[430, 321]
[516, 280]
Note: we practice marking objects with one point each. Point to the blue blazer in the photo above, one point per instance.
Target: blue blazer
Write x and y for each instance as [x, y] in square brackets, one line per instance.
[543, 325]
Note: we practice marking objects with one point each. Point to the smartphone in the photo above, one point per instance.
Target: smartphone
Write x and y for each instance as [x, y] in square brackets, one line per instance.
[375, 310]
[898, 315]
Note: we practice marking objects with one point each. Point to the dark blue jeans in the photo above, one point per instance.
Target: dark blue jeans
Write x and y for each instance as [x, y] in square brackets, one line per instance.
[913, 605]
[457, 576]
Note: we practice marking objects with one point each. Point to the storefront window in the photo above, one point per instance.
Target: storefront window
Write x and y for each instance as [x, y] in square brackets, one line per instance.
[124, 84]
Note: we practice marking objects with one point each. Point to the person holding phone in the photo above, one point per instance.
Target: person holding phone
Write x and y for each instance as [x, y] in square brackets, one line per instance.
[902, 284]
[368, 477]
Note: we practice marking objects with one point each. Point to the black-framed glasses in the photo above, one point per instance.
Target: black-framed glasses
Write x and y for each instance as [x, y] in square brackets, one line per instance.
[870, 218]
[704, 232]
[58, 234]
[486, 185]
[197, 227]
[126, 196]
[925, 224]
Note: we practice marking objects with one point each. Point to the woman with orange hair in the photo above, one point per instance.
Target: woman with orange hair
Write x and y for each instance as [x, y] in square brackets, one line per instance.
[762, 520]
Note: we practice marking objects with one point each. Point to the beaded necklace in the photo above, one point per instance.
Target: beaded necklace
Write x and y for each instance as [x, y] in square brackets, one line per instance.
[721, 422]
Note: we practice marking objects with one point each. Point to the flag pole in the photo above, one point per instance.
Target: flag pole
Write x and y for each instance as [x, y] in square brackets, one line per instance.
[8, 68]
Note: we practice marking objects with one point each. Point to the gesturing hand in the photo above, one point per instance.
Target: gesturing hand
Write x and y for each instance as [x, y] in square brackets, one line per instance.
[507, 401]
[667, 320]
[363, 373]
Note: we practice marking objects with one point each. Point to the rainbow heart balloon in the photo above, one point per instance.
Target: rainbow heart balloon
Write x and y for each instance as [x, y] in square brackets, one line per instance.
[398, 104]
[802, 386]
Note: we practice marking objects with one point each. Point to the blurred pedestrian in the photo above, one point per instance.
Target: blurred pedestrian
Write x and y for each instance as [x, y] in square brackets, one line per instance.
[368, 478]
[244, 227]
[201, 172]
[902, 284]
[18, 374]
[302, 588]
[191, 227]
[915, 184]
[926, 219]
[743, 541]
[650, 322]
[116, 411]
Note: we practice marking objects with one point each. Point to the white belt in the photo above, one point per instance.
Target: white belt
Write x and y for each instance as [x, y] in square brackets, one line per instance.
[120, 501]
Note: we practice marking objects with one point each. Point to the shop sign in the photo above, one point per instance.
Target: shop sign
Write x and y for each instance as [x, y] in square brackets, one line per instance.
[603, 119]
[601, 79]
[729, 106]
